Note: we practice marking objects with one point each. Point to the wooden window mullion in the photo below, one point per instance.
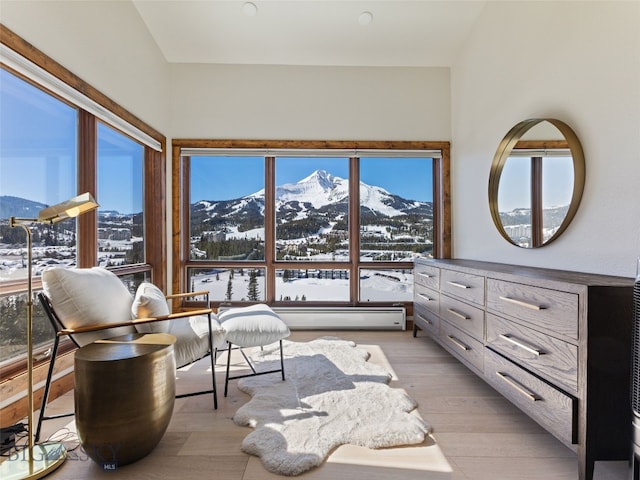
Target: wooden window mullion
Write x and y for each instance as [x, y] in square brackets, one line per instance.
[87, 225]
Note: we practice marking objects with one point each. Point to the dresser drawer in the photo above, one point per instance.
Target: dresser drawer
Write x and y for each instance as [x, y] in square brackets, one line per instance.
[429, 299]
[463, 285]
[552, 310]
[553, 359]
[426, 275]
[464, 316]
[425, 319]
[461, 345]
[550, 407]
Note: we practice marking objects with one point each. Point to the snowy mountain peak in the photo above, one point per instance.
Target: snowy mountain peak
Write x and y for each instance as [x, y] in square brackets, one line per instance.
[322, 178]
[319, 189]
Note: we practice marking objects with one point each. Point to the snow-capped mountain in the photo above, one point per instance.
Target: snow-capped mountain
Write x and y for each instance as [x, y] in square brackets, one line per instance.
[318, 200]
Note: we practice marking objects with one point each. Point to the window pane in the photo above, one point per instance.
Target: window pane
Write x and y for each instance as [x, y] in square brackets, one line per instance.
[120, 195]
[38, 154]
[396, 208]
[306, 284]
[227, 208]
[229, 284]
[557, 190]
[133, 280]
[312, 206]
[13, 328]
[514, 200]
[391, 285]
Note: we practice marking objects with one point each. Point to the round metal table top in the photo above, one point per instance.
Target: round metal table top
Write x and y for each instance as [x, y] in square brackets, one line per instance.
[124, 347]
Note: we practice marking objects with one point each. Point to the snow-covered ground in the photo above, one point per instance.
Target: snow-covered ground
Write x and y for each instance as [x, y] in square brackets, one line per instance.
[375, 286]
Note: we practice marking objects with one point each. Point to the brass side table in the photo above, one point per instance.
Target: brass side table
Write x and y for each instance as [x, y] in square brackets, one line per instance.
[124, 396]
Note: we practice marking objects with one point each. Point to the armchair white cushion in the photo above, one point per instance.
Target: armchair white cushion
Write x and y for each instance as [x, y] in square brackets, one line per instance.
[88, 296]
[96, 296]
[191, 333]
[192, 337]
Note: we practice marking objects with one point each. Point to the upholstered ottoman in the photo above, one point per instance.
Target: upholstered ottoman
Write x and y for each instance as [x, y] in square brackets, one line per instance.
[253, 326]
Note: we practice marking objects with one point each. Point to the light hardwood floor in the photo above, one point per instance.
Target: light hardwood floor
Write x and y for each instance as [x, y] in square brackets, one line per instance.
[477, 434]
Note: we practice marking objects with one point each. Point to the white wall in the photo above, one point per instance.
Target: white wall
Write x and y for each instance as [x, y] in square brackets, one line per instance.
[104, 43]
[575, 61]
[316, 103]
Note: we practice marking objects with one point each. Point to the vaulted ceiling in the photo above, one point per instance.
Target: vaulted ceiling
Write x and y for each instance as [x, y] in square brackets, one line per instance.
[414, 33]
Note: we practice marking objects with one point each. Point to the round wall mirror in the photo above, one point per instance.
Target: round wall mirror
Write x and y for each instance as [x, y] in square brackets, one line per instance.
[536, 182]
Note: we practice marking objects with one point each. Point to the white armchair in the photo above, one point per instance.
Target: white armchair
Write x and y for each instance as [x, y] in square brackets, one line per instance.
[90, 304]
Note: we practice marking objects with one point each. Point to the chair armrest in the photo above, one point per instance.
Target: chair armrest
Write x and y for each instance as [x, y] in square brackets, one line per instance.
[138, 321]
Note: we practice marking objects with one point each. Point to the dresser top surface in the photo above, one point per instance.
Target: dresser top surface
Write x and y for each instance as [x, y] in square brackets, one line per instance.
[510, 272]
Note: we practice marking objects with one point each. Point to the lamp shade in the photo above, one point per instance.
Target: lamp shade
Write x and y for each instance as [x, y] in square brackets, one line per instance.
[68, 209]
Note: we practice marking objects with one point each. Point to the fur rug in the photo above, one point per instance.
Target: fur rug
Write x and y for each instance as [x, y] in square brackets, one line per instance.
[331, 396]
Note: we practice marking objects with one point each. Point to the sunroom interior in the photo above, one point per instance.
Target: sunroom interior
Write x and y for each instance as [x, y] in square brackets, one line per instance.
[168, 112]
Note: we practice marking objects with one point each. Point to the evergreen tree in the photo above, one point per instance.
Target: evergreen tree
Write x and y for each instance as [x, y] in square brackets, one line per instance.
[229, 290]
[253, 293]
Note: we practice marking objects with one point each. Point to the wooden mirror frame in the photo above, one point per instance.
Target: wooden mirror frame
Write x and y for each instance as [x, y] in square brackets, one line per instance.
[512, 140]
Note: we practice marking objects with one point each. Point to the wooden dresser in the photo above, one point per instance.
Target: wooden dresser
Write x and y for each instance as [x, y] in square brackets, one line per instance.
[555, 343]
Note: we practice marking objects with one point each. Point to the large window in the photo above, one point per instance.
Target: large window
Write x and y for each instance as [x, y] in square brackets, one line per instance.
[121, 215]
[38, 167]
[56, 141]
[226, 208]
[328, 226]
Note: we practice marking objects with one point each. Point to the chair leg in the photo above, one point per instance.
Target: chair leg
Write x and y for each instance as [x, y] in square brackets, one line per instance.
[281, 360]
[212, 355]
[253, 370]
[226, 378]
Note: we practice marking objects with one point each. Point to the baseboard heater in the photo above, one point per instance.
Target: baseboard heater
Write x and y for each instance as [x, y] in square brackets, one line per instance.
[343, 318]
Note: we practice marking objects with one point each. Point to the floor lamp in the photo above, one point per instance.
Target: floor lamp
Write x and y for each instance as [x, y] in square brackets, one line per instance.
[38, 460]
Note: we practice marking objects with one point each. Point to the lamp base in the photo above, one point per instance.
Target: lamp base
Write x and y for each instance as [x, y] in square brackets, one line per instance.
[45, 459]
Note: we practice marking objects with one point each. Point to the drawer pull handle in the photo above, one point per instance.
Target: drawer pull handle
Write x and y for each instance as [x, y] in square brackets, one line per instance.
[518, 387]
[428, 299]
[459, 285]
[458, 343]
[425, 320]
[522, 304]
[425, 275]
[517, 343]
[458, 314]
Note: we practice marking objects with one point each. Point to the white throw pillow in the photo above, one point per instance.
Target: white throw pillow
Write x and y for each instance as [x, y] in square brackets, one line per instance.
[150, 302]
[252, 326]
[88, 296]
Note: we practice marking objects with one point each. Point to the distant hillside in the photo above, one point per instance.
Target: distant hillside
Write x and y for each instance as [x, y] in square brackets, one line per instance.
[19, 207]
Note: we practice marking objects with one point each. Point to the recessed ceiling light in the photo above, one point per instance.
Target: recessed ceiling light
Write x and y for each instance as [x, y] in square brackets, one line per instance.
[250, 9]
[365, 18]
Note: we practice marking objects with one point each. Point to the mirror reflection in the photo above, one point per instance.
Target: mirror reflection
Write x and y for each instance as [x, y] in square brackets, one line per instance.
[536, 182]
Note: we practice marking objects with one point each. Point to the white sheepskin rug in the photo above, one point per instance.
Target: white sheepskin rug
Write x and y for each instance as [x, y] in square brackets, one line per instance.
[331, 396]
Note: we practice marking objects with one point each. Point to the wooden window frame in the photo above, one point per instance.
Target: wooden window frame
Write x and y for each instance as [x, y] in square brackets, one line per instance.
[180, 206]
[155, 200]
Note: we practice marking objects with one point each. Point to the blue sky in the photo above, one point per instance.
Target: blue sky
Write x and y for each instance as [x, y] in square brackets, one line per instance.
[409, 178]
[515, 183]
[38, 151]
